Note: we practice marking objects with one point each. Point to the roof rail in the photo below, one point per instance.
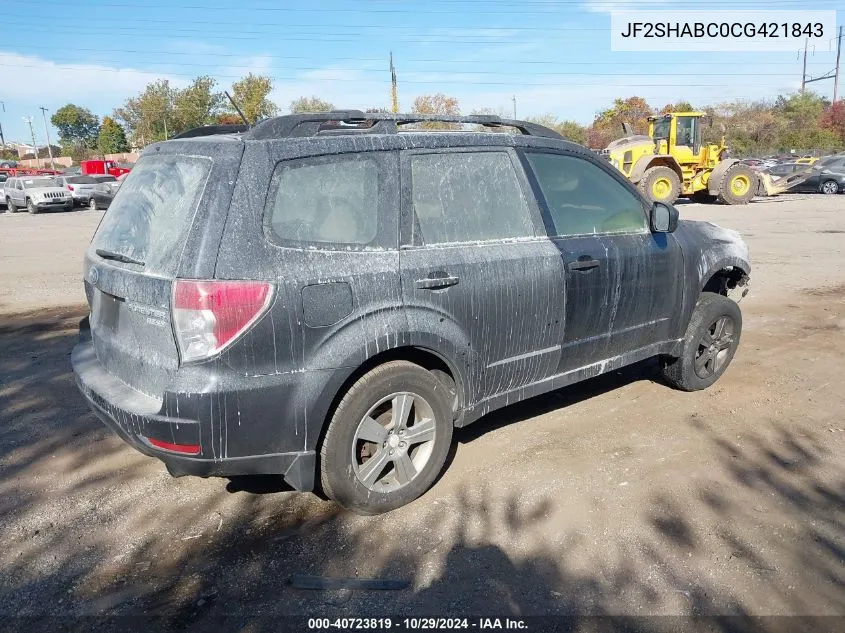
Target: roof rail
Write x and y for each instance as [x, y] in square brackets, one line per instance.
[208, 130]
[356, 122]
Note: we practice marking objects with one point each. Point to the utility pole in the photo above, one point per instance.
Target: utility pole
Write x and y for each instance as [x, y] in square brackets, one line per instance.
[394, 89]
[836, 76]
[804, 72]
[28, 119]
[514, 106]
[2, 138]
[47, 134]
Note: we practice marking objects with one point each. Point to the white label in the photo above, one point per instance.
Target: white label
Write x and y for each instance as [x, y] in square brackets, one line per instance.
[722, 30]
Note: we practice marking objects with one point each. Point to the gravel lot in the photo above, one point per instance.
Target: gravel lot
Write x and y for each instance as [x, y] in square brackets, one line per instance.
[616, 496]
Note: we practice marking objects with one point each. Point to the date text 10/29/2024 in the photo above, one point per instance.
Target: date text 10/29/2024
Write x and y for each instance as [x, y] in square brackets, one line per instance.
[416, 624]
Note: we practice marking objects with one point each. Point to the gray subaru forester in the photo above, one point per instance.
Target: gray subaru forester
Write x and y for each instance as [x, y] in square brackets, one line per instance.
[326, 296]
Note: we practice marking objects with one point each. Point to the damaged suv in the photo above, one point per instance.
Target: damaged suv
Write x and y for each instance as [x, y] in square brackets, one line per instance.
[326, 296]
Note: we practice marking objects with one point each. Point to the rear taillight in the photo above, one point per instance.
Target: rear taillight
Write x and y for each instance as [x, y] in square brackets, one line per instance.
[209, 315]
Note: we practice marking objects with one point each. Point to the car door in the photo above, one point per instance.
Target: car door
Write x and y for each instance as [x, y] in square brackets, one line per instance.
[479, 279]
[19, 196]
[623, 283]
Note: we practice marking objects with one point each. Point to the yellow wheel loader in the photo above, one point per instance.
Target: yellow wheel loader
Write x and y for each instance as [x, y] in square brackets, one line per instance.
[672, 162]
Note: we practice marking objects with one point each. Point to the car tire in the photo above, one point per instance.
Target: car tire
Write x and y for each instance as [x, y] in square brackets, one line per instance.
[371, 422]
[709, 345]
[829, 187]
[92, 204]
[69, 207]
[739, 185]
[30, 206]
[660, 184]
[10, 207]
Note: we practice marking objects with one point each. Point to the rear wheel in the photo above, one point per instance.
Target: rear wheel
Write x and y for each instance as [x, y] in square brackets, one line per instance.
[660, 184]
[387, 440]
[830, 187]
[709, 344]
[10, 206]
[739, 185]
[30, 206]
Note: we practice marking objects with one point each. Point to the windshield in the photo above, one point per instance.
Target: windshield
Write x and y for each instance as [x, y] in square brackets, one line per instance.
[40, 182]
[150, 216]
[661, 128]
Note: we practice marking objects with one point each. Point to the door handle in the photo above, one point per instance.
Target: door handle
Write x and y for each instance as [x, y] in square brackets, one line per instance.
[436, 283]
[583, 264]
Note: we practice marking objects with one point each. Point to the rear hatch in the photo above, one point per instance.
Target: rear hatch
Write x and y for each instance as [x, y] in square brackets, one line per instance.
[81, 185]
[141, 245]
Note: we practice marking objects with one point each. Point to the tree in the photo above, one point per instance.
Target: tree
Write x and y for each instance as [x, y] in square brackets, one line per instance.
[607, 125]
[310, 104]
[804, 112]
[77, 126]
[436, 104]
[250, 93]
[195, 105]
[149, 117]
[572, 131]
[112, 139]
[681, 106]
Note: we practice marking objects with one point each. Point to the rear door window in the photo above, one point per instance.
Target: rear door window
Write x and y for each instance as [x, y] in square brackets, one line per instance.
[149, 219]
[468, 197]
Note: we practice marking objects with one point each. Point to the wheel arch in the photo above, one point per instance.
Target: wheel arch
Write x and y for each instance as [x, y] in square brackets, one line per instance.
[657, 160]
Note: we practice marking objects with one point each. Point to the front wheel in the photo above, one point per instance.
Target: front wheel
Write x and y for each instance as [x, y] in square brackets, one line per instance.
[830, 187]
[739, 185]
[30, 206]
[387, 440]
[709, 344]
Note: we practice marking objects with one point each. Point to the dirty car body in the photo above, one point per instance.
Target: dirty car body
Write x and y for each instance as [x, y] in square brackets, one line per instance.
[356, 250]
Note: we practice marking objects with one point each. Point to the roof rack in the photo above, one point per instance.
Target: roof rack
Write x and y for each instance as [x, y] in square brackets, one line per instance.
[357, 122]
[208, 130]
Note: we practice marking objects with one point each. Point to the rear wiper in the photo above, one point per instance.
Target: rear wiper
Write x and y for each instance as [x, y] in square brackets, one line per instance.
[118, 257]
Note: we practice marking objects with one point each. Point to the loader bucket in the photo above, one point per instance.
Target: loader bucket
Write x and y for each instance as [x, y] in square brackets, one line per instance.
[784, 184]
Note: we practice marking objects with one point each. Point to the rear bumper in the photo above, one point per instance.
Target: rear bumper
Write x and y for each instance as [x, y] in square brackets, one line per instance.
[135, 417]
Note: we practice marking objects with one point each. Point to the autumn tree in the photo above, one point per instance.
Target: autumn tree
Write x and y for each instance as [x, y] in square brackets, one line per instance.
[436, 104]
[607, 125]
[251, 94]
[112, 138]
[310, 104]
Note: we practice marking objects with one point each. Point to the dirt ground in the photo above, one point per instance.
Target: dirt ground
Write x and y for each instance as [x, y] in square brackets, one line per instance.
[615, 496]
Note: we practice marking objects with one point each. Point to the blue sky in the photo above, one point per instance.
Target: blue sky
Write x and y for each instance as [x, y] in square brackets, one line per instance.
[553, 55]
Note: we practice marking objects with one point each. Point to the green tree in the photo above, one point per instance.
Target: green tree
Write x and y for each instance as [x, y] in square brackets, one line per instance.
[149, 117]
[196, 105]
[77, 126]
[251, 95]
[572, 131]
[310, 104]
[112, 139]
[804, 112]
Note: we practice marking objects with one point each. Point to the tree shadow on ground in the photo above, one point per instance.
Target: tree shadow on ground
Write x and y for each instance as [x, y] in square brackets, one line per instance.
[92, 528]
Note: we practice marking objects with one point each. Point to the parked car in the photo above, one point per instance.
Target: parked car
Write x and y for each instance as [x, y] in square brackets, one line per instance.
[826, 176]
[80, 187]
[112, 183]
[101, 196]
[3, 178]
[36, 194]
[250, 310]
[785, 169]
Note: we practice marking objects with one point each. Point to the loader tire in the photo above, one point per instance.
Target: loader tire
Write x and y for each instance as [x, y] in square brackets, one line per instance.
[660, 184]
[739, 185]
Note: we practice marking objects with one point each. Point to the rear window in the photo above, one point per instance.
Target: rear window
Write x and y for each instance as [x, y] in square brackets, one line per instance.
[150, 216]
[81, 180]
[103, 178]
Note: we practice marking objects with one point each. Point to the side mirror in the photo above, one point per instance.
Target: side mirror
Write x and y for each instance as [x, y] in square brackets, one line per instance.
[664, 218]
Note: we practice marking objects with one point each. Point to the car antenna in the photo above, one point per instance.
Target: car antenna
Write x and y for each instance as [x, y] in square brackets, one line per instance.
[235, 105]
